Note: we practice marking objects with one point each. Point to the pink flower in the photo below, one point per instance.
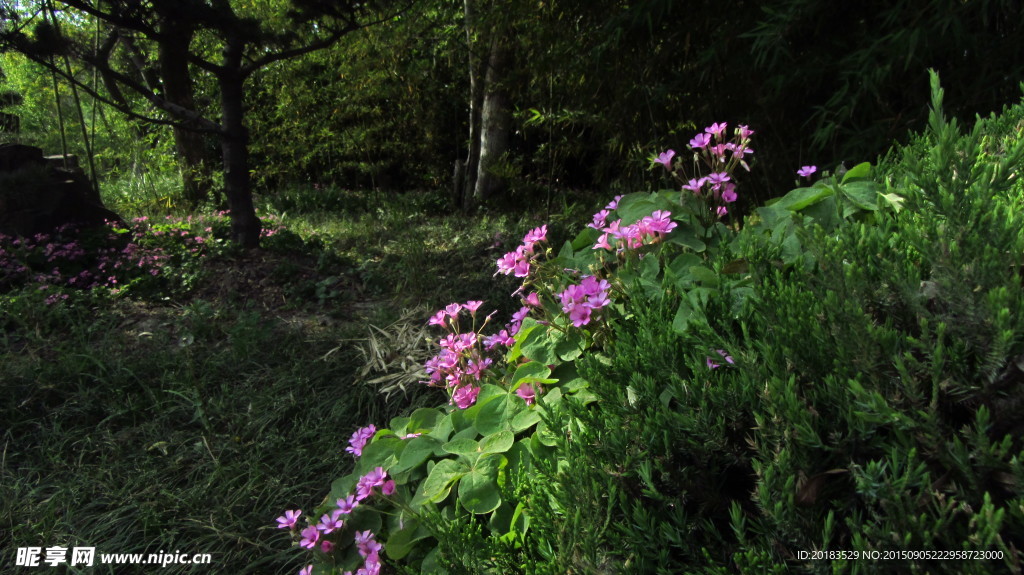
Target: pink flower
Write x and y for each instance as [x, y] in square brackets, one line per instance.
[614, 204]
[658, 223]
[465, 396]
[729, 193]
[366, 483]
[532, 300]
[330, 522]
[602, 243]
[326, 546]
[718, 178]
[437, 318]
[345, 506]
[599, 220]
[388, 488]
[536, 235]
[307, 570]
[716, 129]
[806, 171]
[695, 185]
[367, 543]
[452, 310]
[473, 305]
[288, 519]
[665, 159]
[721, 211]
[700, 140]
[744, 132]
[310, 536]
[527, 392]
[358, 440]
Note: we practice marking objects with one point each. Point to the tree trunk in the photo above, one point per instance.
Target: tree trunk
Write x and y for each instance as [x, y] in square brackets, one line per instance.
[178, 89]
[234, 138]
[466, 174]
[495, 119]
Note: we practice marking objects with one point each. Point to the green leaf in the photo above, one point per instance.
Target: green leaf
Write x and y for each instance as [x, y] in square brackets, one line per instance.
[800, 198]
[864, 195]
[440, 479]
[498, 414]
[537, 346]
[634, 206]
[401, 541]
[524, 420]
[498, 442]
[462, 446]
[529, 324]
[423, 419]
[478, 489]
[586, 239]
[415, 453]
[529, 372]
[383, 452]
[569, 346]
[704, 275]
[862, 170]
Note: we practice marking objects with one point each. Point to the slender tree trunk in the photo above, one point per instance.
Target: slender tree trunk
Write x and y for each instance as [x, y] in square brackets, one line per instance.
[179, 90]
[245, 226]
[465, 178]
[495, 118]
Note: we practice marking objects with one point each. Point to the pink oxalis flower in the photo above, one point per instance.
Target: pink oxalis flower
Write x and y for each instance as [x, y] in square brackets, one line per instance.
[806, 171]
[288, 519]
[665, 159]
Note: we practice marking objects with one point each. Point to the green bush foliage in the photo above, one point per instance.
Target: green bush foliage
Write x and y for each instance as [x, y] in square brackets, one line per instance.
[872, 402]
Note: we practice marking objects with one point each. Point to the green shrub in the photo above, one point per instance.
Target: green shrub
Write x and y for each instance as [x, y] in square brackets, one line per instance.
[872, 406]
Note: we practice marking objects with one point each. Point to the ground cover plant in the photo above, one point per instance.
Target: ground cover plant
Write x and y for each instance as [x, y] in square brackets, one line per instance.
[830, 388]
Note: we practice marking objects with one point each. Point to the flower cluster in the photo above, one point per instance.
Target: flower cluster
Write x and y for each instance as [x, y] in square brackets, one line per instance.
[580, 301]
[720, 157]
[460, 364]
[650, 229]
[359, 439]
[518, 262]
[315, 536]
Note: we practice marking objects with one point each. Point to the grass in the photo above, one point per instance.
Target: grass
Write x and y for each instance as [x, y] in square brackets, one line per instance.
[189, 423]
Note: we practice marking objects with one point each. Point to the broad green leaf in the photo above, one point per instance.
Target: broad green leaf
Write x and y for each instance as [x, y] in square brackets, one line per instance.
[586, 239]
[399, 425]
[569, 346]
[443, 429]
[498, 414]
[461, 446]
[704, 275]
[383, 452]
[529, 324]
[862, 170]
[478, 489]
[498, 442]
[524, 420]
[634, 206]
[401, 541]
[415, 453]
[532, 371]
[423, 419]
[538, 346]
[800, 198]
[440, 479]
[864, 195]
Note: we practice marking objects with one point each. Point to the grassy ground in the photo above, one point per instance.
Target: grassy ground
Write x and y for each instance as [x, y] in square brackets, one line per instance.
[188, 423]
